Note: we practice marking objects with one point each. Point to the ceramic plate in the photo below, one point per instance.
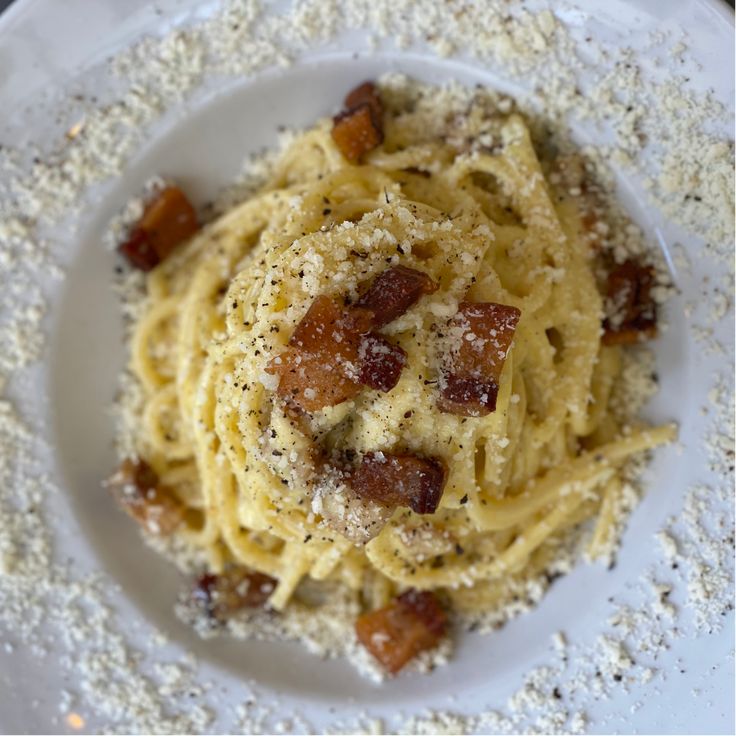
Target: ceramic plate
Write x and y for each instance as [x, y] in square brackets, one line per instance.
[136, 667]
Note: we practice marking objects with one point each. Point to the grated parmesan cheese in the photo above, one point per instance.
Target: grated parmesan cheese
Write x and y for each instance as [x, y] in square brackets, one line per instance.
[49, 606]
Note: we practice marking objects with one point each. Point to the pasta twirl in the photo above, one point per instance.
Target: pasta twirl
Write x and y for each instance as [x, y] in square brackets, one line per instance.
[483, 221]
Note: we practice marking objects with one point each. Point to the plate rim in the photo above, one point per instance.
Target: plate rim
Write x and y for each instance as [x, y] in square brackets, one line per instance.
[27, 5]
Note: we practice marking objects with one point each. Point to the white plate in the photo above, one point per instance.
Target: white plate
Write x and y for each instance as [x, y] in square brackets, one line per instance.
[47, 47]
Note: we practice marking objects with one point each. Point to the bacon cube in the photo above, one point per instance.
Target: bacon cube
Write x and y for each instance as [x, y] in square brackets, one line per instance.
[221, 596]
[342, 509]
[138, 492]
[401, 480]
[319, 368]
[393, 291]
[634, 317]
[482, 333]
[414, 622]
[461, 394]
[168, 220]
[381, 362]
[365, 94]
[139, 250]
[356, 132]
[359, 127]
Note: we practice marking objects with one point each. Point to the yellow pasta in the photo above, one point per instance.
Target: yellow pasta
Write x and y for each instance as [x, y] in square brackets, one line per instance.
[485, 224]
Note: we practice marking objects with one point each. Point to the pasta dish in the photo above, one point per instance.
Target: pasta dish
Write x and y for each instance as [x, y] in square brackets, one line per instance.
[390, 371]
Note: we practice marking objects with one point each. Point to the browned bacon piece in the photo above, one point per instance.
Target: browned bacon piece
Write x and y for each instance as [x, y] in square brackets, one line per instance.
[342, 509]
[365, 94]
[139, 251]
[414, 622]
[381, 362]
[401, 480]
[482, 333]
[137, 490]
[331, 355]
[220, 596]
[319, 368]
[630, 299]
[359, 127]
[168, 220]
[356, 132]
[393, 291]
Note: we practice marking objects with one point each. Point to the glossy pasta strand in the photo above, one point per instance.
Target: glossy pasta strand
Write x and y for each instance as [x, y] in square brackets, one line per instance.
[485, 227]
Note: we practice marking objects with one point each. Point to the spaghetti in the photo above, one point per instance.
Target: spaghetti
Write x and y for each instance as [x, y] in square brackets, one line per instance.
[474, 209]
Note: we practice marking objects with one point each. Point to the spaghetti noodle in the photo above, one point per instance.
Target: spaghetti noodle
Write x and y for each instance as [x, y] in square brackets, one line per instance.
[473, 208]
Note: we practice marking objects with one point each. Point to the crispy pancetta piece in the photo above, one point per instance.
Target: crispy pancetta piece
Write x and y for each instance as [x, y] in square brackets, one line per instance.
[342, 509]
[629, 300]
[319, 368]
[393, 291]
[359, 127]
[481, 334]
[413, 623]
[138, 492]
[401, 480]
[168, 220]
[356, 132]
[333, 351]
[365, 94]
[380, 362]
[221, 596]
